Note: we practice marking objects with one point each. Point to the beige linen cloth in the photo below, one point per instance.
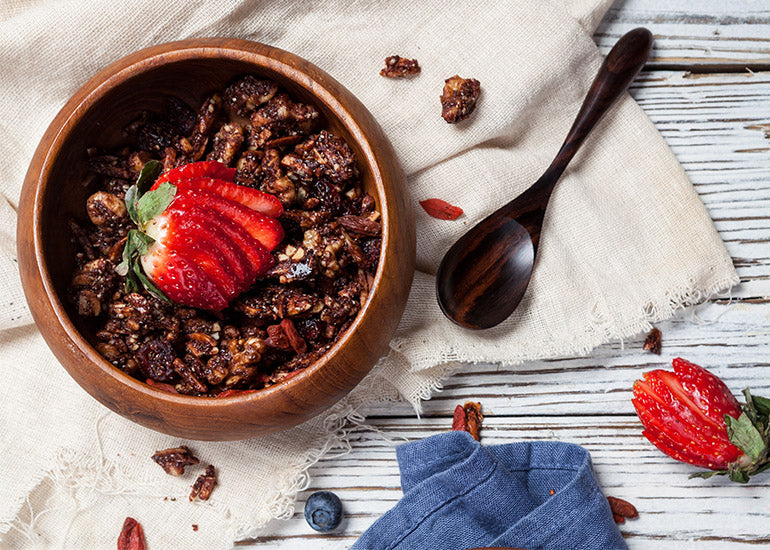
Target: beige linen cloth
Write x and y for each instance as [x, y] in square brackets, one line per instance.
[626, 240]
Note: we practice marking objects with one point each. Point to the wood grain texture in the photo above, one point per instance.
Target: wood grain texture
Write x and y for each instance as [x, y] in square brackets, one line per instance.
[96, 115]
[715, 115]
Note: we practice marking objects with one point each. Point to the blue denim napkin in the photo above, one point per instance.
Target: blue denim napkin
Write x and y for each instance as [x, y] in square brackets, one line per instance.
[459, 495]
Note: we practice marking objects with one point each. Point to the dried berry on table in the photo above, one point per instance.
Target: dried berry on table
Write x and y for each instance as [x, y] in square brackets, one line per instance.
[622, 509]
[441, 209]
[201, 489]
[652, 342]
[458, 99]
[323, 511]
[468, 418]
[131, 536]
[400, 67]
[174, 460]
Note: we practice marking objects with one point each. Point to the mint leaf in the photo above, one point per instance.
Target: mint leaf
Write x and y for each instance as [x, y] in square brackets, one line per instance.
[154, 202]
[150, 172]
[744, 435]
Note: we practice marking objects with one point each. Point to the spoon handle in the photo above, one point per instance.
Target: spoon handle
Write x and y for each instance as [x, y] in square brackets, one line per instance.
[619, 69]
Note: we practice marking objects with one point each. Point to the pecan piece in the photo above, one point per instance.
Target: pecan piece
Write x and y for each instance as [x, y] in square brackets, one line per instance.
[227, 143]
[468, 418]
[201, 489]
[187, 371]
[652, 342]
[204, 124]
[175, 459]
[279, 118]
[622, 509]
[322, 155]
[400, 67]
[131, 536]
[459, 97]
[104, 208]
[243, 96]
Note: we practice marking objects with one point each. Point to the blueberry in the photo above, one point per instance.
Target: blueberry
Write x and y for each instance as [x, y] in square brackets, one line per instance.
[323, 511]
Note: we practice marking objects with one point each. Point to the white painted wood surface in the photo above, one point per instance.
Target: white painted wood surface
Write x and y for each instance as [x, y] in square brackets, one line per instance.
[707, 89]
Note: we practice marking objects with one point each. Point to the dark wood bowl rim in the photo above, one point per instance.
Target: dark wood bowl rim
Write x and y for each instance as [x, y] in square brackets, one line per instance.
[206, 48]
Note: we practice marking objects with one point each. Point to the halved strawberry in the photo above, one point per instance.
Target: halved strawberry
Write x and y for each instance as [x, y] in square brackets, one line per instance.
[265, 229]
[690, 415]
[205, 168]
[181, 280]
[256, 200]
[259, 258]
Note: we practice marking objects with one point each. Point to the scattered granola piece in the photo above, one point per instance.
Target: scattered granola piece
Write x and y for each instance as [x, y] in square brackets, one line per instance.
[131, 536]
[622, 509]
[441, 209]
[201, 489]
[468, 418]
[459, 97]
[400, 67]
[652, 342]
[174, 460]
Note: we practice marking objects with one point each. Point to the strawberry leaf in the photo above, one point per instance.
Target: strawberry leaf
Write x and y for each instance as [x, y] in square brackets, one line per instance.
[745, 435]
[148, 175]
[154, 202]
[707, 475]
[130, 201]
[738, 475]
[761, 404]
[147, 283]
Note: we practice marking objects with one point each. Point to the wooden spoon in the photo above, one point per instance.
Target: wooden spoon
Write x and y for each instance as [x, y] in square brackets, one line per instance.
[482, 278]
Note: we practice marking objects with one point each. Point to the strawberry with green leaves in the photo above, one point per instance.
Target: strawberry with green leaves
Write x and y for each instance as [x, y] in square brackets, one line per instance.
[201, 239]
[691, 416]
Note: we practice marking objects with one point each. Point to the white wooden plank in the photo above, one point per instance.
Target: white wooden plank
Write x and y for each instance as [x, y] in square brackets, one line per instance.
[703, 34]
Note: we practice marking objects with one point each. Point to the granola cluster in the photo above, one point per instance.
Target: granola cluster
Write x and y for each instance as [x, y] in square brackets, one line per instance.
[323, 270]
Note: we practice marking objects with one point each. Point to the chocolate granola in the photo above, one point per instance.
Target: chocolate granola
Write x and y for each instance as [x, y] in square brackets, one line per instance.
[323, 269]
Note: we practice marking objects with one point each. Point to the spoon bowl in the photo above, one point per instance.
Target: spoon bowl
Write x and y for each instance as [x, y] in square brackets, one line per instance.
[484, 275]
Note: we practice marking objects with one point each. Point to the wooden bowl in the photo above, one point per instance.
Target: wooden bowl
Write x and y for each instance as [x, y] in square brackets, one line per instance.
[53, 193]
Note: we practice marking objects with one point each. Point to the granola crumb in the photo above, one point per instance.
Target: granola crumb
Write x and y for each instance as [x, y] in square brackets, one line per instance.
[195, 526]
[201, 489]
[174, 460]
[459, 97]
[652, 342]
[400, 67]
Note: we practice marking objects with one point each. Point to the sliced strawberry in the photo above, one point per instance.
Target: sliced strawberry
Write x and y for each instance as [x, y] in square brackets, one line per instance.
[193, 222]
[709, 394]
[259, 258]
[256, 200]
[265, 229]
[206, 168]
[181, 280]
[190, 240]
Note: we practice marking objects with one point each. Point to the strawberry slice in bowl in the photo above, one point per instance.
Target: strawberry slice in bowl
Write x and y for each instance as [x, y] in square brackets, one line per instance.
[204, 168]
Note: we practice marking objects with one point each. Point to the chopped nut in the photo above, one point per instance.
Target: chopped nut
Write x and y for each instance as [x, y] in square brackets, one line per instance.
[174, 460]
[201, 489]
[243, 96]
[322, 155]
[652, 342]
[459, 97]
[105, 208]
[399, 67]
[227, 143]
